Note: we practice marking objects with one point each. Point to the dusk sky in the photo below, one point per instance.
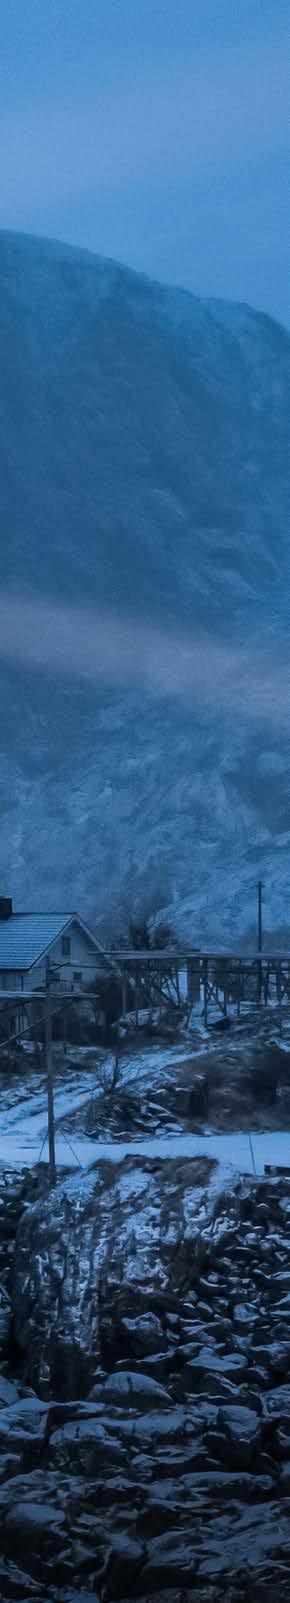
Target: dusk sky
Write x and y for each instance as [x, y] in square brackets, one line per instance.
[154, 131]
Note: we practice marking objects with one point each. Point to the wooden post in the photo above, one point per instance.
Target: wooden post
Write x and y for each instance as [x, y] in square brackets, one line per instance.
[136, 1005]
[49, 1081]
[205, 990]
[260, 920]
[239, 992]
[266, 985]
[193, 981]
[260, 940]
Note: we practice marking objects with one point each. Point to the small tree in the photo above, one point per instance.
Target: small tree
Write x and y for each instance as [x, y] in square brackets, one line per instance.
[109, 1077]
[140, 935]
[147, 939]
[162, 936]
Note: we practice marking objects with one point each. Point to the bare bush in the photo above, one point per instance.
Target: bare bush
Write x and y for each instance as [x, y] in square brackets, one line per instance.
[109, 1077]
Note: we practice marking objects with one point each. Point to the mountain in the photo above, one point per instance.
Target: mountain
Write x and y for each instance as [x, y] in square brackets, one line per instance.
[144, 490]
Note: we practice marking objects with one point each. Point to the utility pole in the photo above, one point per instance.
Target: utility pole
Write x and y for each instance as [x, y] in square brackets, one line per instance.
[260, 936]
[260, 923]
[49, 1081]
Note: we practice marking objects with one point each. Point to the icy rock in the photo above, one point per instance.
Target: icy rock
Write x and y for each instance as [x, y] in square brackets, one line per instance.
[8, 1392]
[85, 1446]
[124, 1566]
[241, 1435]
[244, 1315]
[282, 1282]
[241, 1541]
[29, 1517]
[29, 1521]
[166, 1425]
[136, 1390]
[212, 1387]
[204, 1310]
[144, 1334]
[258, 1377]
[282, 1441]
[282, 1307]
[157, 1365]
[227, 1484]
[22, 1424]
[232, 1366]
[273, 1356]
[17, 1586]
[278, 1358]
[277, 1405]
[171, 1558]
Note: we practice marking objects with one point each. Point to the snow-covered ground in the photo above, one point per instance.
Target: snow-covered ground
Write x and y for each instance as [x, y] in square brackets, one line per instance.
[23, 1132]
[23, 1138]
[247, 1154]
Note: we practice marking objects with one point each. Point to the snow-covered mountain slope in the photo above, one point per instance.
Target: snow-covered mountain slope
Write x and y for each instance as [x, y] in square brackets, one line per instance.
[143, 475]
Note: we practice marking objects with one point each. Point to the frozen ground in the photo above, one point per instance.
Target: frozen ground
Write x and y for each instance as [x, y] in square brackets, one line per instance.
[23, 1139]
[150, 1070]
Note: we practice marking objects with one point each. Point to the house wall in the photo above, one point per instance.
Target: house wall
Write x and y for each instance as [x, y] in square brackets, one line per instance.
[78, 968]
[10, 980]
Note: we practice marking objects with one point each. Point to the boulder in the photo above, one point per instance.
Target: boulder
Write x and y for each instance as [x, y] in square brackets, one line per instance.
[244, 1315]
[276, 1405]
[86, 1447]
[143, 1334]
[231, 1366]
[241, 1435]
[127, 1387]
[171, 1560]
[124, 1566]
[9, 1393]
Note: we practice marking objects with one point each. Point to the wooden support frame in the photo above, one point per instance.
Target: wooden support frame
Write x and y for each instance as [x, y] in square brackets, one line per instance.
[223, 978]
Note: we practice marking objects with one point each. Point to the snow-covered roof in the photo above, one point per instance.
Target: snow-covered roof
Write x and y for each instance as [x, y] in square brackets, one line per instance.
[26, 937]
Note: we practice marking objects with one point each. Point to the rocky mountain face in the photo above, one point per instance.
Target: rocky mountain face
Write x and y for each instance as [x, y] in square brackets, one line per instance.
[143, 484]
[144, 1399]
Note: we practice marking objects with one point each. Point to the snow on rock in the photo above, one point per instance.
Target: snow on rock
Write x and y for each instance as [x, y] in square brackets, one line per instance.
[141, 1473]
[88, 1236]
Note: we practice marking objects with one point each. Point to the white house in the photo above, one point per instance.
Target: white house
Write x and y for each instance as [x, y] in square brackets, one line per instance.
[32, 944]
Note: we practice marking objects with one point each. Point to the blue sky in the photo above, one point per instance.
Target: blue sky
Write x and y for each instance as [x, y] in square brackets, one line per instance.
[154, 131]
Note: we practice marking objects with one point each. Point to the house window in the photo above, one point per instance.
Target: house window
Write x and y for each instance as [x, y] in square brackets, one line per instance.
[78, 975]
[65, 946]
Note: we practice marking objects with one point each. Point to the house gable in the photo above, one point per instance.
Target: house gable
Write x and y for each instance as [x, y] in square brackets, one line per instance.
[27, 941]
